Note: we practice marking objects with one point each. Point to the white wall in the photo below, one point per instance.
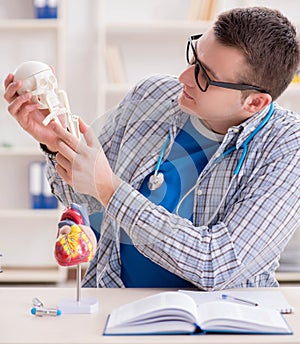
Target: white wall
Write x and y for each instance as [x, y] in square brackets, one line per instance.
[81, 56]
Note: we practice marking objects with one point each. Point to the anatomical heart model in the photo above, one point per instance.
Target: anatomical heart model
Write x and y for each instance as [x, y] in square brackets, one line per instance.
[73, 245]
[39, 80]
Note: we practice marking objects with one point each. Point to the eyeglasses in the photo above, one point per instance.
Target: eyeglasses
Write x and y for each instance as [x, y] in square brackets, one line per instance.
[202, 78]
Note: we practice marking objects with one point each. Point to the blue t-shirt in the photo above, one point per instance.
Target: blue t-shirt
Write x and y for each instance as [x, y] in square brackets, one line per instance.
[193, 147]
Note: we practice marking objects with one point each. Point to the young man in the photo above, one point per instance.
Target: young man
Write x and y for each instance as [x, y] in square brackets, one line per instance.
[197, 178]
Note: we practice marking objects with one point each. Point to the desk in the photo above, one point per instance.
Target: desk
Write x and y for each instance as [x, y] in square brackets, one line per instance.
[17, 325]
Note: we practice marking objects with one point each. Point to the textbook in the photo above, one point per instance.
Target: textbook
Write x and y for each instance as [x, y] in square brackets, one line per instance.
[177, 313]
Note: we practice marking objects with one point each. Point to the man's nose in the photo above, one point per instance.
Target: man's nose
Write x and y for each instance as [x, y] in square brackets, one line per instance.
[187, 77]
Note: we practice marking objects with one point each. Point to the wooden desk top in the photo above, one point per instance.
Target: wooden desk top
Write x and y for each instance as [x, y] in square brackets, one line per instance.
[17, 325]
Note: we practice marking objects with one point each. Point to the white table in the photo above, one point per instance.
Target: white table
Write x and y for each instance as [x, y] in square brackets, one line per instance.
[17, 325]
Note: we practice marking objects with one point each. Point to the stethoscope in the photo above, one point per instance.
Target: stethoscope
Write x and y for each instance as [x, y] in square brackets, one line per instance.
[157, 179]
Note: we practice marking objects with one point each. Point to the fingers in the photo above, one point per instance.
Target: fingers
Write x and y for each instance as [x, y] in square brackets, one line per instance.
[63, 162]
[91, 235]
[66, 140]
[90, 137]
[11, 88]
[73, 142]
[11, 96]
[16, 101]
[63, 174]
[8, 80]
[67, 146]
[82, 125]
[16, 104]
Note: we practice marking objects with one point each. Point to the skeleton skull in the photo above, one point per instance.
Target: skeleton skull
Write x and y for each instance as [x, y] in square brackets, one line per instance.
[38, 79]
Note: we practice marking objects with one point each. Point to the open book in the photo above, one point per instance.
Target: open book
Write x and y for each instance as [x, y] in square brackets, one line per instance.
[177, 313]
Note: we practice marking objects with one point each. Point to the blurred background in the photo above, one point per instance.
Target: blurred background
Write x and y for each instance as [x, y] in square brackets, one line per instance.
[99, 49]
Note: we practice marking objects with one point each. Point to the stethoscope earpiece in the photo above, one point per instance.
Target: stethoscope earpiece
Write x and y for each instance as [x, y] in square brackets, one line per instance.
[155, 181]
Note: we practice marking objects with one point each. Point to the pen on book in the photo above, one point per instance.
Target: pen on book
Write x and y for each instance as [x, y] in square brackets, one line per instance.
[239, 300]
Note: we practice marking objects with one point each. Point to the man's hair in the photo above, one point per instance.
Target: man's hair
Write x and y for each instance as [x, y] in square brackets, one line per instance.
[268, 42]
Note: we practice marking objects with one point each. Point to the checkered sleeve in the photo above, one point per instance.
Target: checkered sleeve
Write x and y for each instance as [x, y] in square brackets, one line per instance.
[243, 246]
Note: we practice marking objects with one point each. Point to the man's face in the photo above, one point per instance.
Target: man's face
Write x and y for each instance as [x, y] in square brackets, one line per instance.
[218, 107]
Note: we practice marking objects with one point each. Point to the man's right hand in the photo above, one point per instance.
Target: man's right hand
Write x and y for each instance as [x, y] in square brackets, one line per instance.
[27, 113]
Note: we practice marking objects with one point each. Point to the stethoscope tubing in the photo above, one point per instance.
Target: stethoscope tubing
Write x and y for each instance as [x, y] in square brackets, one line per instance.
[244, 147]
[162, 153]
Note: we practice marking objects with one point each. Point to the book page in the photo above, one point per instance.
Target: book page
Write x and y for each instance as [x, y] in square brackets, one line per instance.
[265, 298]
[155, 306]
[222, 315]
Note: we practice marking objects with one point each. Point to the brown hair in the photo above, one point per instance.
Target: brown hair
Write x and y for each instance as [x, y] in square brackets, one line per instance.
[268, 42]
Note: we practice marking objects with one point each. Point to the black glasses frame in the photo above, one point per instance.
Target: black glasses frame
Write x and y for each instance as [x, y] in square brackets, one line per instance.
[209, 81]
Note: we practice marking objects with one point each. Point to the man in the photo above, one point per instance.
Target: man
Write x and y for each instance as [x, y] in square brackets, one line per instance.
[197, 178]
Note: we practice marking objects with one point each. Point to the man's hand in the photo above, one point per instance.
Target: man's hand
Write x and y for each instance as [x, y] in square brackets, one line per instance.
[28, 115]
[83, 165]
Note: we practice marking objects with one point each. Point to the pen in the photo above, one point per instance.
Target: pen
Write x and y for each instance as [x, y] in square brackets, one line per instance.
[238, 299]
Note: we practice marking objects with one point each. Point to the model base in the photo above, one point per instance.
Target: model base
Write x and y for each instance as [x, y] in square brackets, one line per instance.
[84, 306]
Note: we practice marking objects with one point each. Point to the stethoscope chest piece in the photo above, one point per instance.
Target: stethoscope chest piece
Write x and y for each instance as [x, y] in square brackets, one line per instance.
[155, 181]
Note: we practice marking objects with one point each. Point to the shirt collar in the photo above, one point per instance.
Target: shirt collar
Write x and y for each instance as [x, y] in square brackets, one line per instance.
[246, 128]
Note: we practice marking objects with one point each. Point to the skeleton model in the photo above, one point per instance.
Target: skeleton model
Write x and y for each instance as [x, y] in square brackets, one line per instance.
[38, 79]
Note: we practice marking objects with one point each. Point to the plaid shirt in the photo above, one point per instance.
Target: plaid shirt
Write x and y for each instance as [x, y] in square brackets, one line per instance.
[242, 245]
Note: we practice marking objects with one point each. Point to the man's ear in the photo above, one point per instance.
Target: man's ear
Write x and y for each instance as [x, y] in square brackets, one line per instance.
[256, 102]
